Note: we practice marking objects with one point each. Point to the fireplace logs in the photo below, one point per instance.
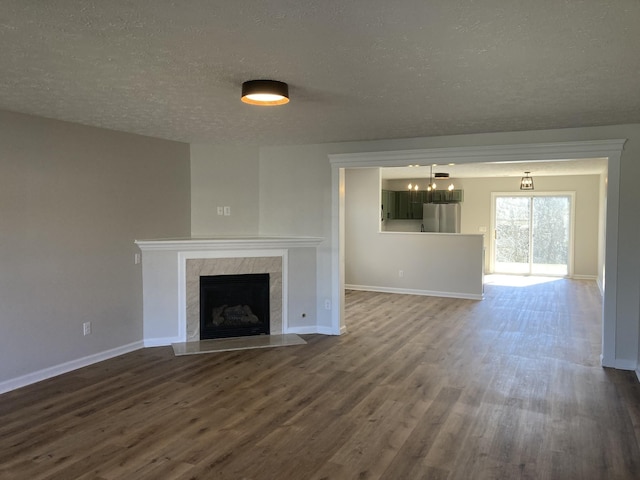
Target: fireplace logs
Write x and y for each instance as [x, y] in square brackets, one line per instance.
[234, 305]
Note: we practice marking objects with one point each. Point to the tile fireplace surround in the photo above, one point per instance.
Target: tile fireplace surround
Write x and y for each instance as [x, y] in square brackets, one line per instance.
[198, 267]
[171, 271]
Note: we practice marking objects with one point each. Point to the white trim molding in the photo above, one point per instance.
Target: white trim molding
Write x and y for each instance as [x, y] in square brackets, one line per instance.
[585, 277]
[160, 342]
[481, 154]
[66, 367]
[411, 291]
[227, 243]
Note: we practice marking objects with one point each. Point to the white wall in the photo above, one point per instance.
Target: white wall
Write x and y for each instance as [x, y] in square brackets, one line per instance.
[72, 201]
[431, 263]
[224, 176]
[295, 198]
[266, 197]
[302, 304]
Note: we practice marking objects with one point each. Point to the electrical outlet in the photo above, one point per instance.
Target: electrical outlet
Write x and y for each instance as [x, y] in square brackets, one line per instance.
[401, 273]
[220, 211]
[86, 328]
[137, 258]
[327, 304]
[227, 211]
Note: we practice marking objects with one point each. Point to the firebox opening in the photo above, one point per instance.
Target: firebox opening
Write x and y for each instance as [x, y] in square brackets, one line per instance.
[234, 305]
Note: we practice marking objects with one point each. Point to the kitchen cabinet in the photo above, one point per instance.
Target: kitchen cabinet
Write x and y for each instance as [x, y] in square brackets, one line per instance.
[406, 205]
[417, 199]
[446, 196]
[456, 196]
[438, 196]
[389, 209]
[402, 205]
[409, 205]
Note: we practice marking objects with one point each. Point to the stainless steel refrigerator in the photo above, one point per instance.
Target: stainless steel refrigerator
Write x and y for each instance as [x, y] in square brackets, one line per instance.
[441, 217]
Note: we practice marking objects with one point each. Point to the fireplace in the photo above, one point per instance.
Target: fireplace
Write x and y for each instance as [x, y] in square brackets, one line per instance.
[195, 268]
[234, 305]
[171, 271]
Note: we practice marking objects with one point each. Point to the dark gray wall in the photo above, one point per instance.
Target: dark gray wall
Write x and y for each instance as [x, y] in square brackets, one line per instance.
[72, 201]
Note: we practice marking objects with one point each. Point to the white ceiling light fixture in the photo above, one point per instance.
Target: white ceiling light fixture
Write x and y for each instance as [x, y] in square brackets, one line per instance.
[265, 92]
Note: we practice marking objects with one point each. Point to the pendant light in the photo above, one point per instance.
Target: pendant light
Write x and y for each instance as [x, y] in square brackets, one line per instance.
[526, 183]
[432, 185]
[413, 193]
[444, 175]
[265, 92]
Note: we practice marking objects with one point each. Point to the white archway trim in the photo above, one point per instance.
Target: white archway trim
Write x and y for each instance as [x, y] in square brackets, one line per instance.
[610, 149]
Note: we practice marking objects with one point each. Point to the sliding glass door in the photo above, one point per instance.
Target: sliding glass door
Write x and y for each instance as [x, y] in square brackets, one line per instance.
[532, 234]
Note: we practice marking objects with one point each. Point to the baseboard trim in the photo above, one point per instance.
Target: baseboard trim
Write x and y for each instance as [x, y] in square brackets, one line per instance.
[310, 329]
[313, 329]
[625, 365]
[161, 342]
[620, 364]
[328, 331]
[584, 277]
[34, 377]
[409, 291]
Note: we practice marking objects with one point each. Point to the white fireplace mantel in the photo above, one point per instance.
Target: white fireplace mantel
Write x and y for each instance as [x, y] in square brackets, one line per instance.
[167, 300]
[228, 243]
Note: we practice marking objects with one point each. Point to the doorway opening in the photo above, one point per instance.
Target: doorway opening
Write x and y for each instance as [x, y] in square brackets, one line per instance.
[610, 150]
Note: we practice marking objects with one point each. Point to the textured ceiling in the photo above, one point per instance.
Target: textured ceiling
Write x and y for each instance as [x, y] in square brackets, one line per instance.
[357, 69]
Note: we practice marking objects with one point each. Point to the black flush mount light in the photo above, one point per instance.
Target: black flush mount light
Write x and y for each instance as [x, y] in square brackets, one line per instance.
[526, 183]
[265, 92]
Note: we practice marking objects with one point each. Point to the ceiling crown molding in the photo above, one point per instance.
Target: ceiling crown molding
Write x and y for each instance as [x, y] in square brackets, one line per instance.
[494, 153]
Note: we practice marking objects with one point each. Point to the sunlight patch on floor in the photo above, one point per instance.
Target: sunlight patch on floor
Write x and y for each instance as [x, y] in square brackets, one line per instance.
[517, 280]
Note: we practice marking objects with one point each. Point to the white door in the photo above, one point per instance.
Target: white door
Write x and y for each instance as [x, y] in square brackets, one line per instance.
[533, 234]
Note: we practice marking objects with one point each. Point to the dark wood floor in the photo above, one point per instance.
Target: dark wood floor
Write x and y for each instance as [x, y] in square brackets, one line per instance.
[420, 388]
